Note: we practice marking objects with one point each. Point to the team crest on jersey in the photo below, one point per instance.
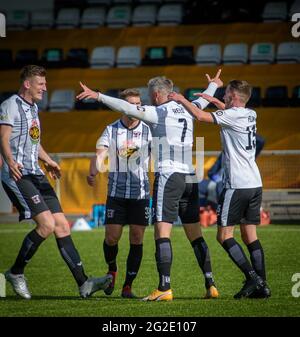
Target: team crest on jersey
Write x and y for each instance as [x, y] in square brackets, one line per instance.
[36, 199]
[34, 132]
[136, 134]
[128, 150]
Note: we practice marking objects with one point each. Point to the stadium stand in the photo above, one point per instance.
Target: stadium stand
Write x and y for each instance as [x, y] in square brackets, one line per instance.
[6, 59]
[262, 53]
[128, 57]
[235, 53]
[295, 99]
[52, 58]
[182, 55]
[26, 56]
[170, 14]
[17, 20]
[275, 11]
[288, 52]
[68, 18]
[144, 15]
[93, 17]
[62, 101]
[42, 19]
[77, 58]
[102, 57]
[208, 54]
[119, 16]
[276, 96]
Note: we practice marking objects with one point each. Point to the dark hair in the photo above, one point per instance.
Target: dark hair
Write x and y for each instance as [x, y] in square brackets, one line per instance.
[243, 88]
[129, 92]
[30, 71]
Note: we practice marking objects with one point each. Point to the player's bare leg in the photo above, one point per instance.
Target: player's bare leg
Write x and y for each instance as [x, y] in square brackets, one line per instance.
[249, 237]
[113, 233]
[15, 275]
[194, 234]
[134, 259]
[163, 256]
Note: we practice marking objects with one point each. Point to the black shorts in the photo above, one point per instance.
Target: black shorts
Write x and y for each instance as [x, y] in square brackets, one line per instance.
[239, 206]
[175, 194]
[121, 211]
[31, 195]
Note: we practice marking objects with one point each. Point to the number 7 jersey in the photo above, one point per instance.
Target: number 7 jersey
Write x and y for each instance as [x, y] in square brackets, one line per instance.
[172, 142]
[238, 130]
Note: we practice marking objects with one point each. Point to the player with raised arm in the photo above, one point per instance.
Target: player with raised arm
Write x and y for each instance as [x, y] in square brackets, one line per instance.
[242, 195]
[28, 188]
[127, 141]
[175, 189]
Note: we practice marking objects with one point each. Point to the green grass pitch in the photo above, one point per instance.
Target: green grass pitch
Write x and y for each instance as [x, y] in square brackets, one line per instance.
[55, 292]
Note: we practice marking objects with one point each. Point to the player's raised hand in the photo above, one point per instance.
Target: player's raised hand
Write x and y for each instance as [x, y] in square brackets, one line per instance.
[87, 93]
[175, 96]
[215, 79]
[53, 169]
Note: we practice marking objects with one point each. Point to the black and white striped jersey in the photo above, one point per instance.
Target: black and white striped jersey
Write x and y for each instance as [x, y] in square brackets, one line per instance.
[129, 152]
[25, 136]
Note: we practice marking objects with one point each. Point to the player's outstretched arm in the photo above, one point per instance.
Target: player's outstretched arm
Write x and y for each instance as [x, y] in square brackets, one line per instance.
[199, 114]
[145, 113]
[220, 105]
[50, 165]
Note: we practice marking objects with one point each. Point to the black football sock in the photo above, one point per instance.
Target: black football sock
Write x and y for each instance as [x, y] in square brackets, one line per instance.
[29, 246]
[110, 255]
[257, 258]
[237, 255]
[163, 256]
[202, 254]
[134, 260]
[72, 258]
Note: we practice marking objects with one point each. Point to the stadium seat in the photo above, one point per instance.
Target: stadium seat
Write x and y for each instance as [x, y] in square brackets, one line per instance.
[208, 54]
[6, 59]
[26, 56]
[68, 18]
[42, 19]
[93, 17]
[182, 55]
[170, 14]
[102, 57]
[144, 15]
[17, 20]
[275, 11]
[129, 57]
[52, 58]
[113, 93]
[288, 52]
[235, 53]
[255, 99]
[62, 101]
[116, 2]
[149, 1]
[276, 96]
[155, 56]
[118, 16]
[144, 93]
[43, 104]
[295, 100]
[189, 93]
[77, 58]
[295, 8]
[262, 53]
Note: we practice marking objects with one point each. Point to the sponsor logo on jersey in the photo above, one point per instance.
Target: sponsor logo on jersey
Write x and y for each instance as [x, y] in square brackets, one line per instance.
[219, 113]
[136, 134]
[128, 149]
[34, 132]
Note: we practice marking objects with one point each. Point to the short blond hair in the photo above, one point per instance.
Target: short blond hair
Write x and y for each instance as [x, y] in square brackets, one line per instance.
[161, 84]
[243, 88]
[129, 93]
[31, 71]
